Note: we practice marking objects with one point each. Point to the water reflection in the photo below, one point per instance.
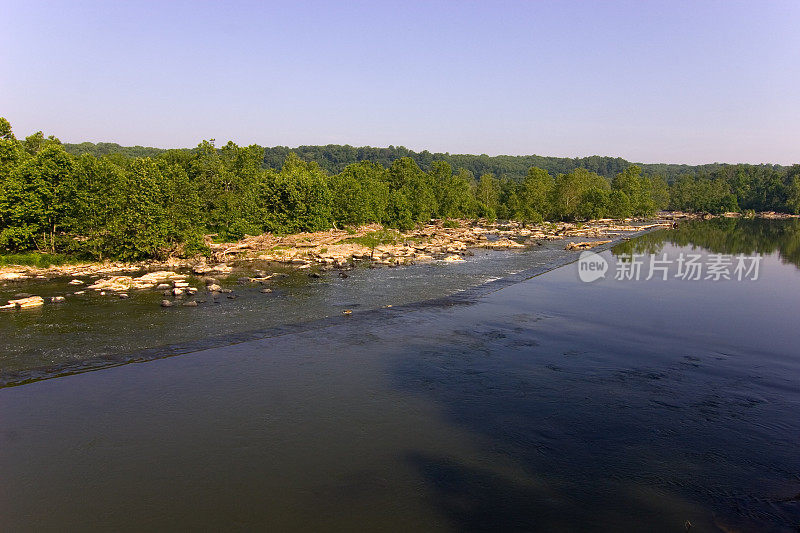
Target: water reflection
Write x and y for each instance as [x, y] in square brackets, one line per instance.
[724, 236]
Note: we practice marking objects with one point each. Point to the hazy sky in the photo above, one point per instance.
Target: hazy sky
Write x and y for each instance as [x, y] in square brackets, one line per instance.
[672, 81]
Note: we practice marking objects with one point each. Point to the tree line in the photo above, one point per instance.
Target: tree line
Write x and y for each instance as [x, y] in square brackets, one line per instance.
[333, 158]
[130, 208]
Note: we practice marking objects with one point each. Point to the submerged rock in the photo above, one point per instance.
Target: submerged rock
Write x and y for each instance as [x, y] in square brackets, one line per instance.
[58, 299]
[166, 303]
[189, 304]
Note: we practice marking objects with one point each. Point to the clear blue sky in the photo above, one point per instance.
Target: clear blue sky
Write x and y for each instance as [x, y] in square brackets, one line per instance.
[665, 81]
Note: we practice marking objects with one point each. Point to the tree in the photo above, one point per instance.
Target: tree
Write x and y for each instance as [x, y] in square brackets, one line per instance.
[487, 194]
[36, 200]
[569, 191]
[793, 189]
[296, 199]
[534, 193]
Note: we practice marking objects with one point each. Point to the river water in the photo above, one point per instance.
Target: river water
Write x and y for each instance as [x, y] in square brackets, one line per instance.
[526, 404]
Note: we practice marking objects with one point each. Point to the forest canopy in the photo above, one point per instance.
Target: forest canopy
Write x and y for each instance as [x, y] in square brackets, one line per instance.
[105, 201]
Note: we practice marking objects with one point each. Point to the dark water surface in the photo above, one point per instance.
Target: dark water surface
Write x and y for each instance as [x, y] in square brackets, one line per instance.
[547, 405]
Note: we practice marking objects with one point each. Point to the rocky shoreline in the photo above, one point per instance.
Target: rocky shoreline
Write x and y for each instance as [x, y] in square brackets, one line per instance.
[338, 249]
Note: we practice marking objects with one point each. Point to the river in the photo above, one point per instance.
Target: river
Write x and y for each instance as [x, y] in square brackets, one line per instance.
[524, 403]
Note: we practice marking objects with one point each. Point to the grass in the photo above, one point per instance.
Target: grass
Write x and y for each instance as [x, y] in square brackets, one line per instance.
[35, 259]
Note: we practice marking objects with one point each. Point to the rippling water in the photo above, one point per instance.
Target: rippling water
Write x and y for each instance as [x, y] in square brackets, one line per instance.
[546, 405]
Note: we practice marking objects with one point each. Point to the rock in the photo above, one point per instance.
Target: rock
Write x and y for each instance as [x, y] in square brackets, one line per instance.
[222, 267]
[266, 291]
[28, 302]
[123, 296]
[213, 288]
[168, 292]
[189, 304]
[76, 282]
[451, 258]
[202, 268]
[166, 303]
[232, 296]
[58, 299]
[11, 276]
[347, 312]
[163, 287]
[180, 284]
[584, 245]
[78, 293]
[226, 291]
[343, 275]
[316, 275]
[177, 291]
[159, 276]
[243, 281]
[20, 295]
[7, 307]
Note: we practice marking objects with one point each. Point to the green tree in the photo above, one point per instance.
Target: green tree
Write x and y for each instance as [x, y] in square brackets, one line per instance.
[487, 194]
[37, 199]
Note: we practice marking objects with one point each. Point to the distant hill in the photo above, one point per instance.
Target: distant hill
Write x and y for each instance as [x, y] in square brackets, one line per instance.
[335, 157]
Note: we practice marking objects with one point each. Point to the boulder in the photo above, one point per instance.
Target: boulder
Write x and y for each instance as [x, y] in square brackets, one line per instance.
[213, 288]
[25, 303]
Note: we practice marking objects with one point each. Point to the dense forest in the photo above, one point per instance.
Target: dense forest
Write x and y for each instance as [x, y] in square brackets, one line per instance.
[135, 204]
[333, 158]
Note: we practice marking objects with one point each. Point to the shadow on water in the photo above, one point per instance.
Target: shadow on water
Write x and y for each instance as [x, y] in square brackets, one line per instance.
[612, 430]
[617, 450]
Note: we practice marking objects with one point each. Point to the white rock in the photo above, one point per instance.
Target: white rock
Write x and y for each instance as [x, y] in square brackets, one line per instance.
[24, 303]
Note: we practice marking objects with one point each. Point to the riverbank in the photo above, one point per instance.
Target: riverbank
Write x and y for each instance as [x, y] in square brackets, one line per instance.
[254, 258]
[339, 248]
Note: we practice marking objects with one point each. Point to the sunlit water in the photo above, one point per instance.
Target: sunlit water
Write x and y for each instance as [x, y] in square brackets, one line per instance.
[547, 405]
